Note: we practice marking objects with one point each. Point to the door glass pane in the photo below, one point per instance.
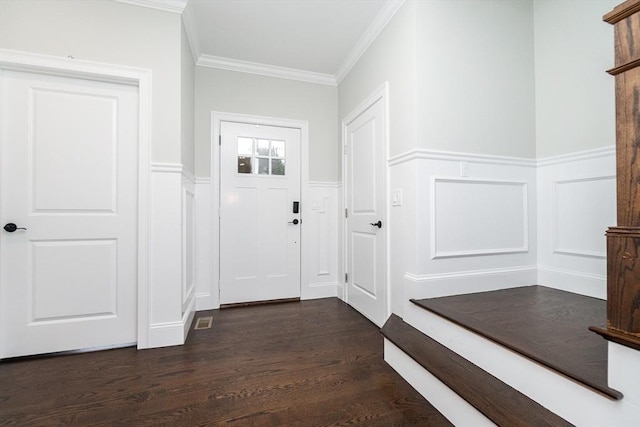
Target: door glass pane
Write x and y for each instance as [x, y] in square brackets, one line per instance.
[244, 164]
[277, 149]
[263, 166]
[263, 147]
[245, 146]
[277, 166]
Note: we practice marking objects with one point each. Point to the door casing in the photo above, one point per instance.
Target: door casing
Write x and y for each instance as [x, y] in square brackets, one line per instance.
[380, 94]
[217, 118]
[69, 67]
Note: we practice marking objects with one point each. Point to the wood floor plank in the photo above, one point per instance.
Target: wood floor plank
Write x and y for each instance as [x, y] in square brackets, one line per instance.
[546, 325]
[309, 363]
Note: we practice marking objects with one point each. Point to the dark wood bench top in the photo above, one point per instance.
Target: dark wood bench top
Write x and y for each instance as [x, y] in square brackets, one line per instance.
[546, 325]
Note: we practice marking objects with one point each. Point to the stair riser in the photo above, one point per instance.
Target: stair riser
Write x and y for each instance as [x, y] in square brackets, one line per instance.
[446, 401]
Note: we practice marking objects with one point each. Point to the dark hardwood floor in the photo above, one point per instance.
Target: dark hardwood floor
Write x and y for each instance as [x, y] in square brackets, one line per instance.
[310, 363]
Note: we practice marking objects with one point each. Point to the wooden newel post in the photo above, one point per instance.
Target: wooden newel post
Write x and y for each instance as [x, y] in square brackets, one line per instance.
[623, 240]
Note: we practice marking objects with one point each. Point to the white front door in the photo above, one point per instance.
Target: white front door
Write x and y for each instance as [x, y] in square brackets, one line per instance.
[68, 176]
[365, 163]
[259, 225]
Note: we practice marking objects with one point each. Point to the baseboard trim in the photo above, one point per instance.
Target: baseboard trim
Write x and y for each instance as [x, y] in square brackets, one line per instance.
[590, 285]
[439, 285]
[166, 334]
[320, 290]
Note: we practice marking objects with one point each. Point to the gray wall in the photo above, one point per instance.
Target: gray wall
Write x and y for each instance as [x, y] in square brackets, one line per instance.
[234, 92]
[187, 109]
[575, 97]
[111, 32]
[476, 77]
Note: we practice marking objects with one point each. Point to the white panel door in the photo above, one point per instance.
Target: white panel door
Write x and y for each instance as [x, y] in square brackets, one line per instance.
[69, 160]
[366, 221]
[259, 230]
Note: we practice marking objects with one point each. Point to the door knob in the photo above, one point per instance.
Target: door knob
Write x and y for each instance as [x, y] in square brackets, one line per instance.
[376, 224]
[294, 222]
[11, 227]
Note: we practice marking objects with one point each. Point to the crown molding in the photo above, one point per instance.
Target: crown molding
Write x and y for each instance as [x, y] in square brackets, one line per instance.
[174, 6]
[265, 70]
[183, 8]
[191, 28]
[378, 24]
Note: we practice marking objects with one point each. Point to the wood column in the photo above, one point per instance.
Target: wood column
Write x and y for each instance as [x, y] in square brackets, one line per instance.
[623, 240]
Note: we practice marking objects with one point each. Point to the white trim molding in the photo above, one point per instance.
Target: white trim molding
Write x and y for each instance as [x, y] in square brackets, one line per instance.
[142, 78]
[435, 232]
[557, 244]
[592, 285]
[191, 28]
[465, 282]
[166, 167]
[578, 156]
[428, 154]
[325, 184]
[173, 6]
[265, 70]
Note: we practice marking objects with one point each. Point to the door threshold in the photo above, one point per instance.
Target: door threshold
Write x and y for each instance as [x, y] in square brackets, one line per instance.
[66, 352]
[264, 302]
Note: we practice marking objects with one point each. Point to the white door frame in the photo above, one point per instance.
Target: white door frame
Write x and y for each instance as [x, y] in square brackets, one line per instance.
[76, 68]
[217, 117]
[382, 93]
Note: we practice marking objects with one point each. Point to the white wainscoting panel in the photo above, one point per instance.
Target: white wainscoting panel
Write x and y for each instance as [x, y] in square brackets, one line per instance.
[188, 241]
[583, 209]
[474, 222]
[576, 205]
[206, 286]
[168, 323]
[478, 217]
[320, 240]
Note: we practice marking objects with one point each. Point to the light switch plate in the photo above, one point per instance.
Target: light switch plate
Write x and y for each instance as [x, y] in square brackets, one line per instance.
[396, 198]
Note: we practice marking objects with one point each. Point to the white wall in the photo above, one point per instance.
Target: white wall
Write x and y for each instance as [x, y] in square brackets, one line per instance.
[476, 77]
[575, 97]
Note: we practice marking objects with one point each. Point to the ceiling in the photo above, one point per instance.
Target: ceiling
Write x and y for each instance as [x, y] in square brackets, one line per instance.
[311, 40]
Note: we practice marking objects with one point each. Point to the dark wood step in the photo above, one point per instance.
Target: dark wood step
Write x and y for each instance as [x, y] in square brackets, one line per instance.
[543, 324]
[499, 402]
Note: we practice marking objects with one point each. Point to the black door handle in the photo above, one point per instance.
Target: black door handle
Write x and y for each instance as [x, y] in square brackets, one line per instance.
[376, 224]
[11, 227]
[294, 222]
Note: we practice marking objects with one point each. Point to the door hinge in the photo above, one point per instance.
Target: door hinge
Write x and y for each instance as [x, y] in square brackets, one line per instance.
[220, 139]
[346, 277]
[346, 149]
[346, 213]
